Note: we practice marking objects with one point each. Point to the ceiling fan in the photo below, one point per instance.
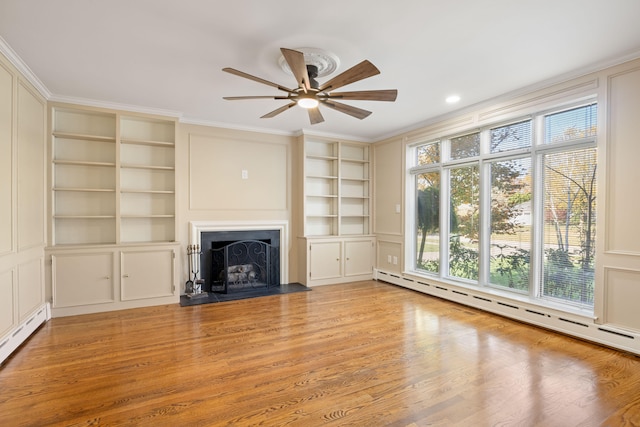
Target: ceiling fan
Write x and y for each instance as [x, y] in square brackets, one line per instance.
[310, 94]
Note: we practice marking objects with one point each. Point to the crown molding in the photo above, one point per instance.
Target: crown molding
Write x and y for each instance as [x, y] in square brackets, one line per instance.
[23, 68]
[221, 125]
[115, 106]
[267, 131]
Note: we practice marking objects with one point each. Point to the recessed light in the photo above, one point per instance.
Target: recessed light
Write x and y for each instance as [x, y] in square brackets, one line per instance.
[452, 99]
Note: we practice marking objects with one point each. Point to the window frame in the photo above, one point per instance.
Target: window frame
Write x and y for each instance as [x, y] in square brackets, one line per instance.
[538, 149]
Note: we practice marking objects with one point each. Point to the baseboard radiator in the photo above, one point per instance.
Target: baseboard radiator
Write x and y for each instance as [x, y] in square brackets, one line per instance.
[23, 331]
[566, 323]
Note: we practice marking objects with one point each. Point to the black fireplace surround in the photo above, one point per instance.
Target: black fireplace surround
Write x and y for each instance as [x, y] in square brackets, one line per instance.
[214, 274]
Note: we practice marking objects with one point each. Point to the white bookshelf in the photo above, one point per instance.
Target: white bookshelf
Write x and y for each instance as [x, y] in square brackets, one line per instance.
[84, 177]
[113, 200]
[336, 188]
[113, 178]
[147, 180]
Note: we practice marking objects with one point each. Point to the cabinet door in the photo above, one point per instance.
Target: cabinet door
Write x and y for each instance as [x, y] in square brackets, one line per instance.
[147, 274]
[325, 260]
[81, 279]
[358, 258]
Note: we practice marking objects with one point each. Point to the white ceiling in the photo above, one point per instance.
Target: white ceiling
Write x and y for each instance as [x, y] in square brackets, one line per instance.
[167, 55]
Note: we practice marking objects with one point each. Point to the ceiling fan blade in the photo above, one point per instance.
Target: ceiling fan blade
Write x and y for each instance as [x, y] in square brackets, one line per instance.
[357, 72]
[235, 98]
[278, 111]
[256, 79]
[296, 63]
[315, 116]
[366, 95]
[358, 113]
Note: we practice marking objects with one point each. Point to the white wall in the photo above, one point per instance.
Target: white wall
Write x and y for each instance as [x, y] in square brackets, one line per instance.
[22, 208]
[210, 163]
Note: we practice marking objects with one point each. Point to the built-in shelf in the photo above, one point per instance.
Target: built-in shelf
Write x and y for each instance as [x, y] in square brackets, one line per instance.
[83, 216]
[88, 190]
[82, 163]
[149, 191]
[336, 188]
[147, 216]
[83, 136]
[125, 165]
[147, 142]
[166, 168]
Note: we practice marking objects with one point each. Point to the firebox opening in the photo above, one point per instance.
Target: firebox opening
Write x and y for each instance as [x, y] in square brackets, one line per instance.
[238, 261]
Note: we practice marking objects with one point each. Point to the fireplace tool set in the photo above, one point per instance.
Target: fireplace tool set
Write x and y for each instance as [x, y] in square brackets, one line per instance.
[193, 287]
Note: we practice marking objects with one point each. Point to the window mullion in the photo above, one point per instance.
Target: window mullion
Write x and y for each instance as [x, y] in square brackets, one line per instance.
[445, 212]
[484, 244]
[537, 211]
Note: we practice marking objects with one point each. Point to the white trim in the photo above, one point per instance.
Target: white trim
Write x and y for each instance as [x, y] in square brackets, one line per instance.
[196, 228]
[14, 338]
[24, 69]
[300, 132]
[115, 106]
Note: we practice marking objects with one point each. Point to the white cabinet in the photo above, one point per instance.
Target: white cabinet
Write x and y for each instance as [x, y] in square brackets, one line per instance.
[333, 260]
[103, 279]
[325, 260]
[358, 258]
[147, 274]
[82, 278]
[112, 209]
[336, 191]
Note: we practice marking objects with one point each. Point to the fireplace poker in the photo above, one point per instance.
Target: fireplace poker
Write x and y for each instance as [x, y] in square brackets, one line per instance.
[193, 287]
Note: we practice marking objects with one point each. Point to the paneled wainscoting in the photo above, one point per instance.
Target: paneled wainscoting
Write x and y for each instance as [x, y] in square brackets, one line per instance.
[358, 354]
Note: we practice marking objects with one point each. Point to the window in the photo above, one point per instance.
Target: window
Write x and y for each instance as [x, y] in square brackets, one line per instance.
[428, 224]
[465, 146]
[511, 209]
[510, 224]
[511, 137]
[569, 225]
[464, 222]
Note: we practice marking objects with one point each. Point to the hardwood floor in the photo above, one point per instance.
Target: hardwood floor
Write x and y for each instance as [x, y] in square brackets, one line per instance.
[361, 354]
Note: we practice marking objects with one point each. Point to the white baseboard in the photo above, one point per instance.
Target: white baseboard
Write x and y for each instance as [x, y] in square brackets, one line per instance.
[566, 323]
[20, 333]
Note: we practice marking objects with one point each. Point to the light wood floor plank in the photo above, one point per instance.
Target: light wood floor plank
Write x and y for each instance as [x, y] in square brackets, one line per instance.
[360, 354]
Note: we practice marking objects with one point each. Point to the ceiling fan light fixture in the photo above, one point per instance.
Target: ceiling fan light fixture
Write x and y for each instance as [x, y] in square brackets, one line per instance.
[307, 102]
[308, 93]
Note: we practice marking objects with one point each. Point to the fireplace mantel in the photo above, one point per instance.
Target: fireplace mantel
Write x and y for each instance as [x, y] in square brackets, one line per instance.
[199, 227]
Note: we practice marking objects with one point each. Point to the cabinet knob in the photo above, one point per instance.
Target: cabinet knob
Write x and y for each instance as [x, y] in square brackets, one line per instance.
[107, 277]
[337, 259]
[125, 275]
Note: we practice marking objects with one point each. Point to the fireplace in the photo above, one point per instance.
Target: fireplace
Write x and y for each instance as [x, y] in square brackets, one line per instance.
[237, 257]
[234, 261]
